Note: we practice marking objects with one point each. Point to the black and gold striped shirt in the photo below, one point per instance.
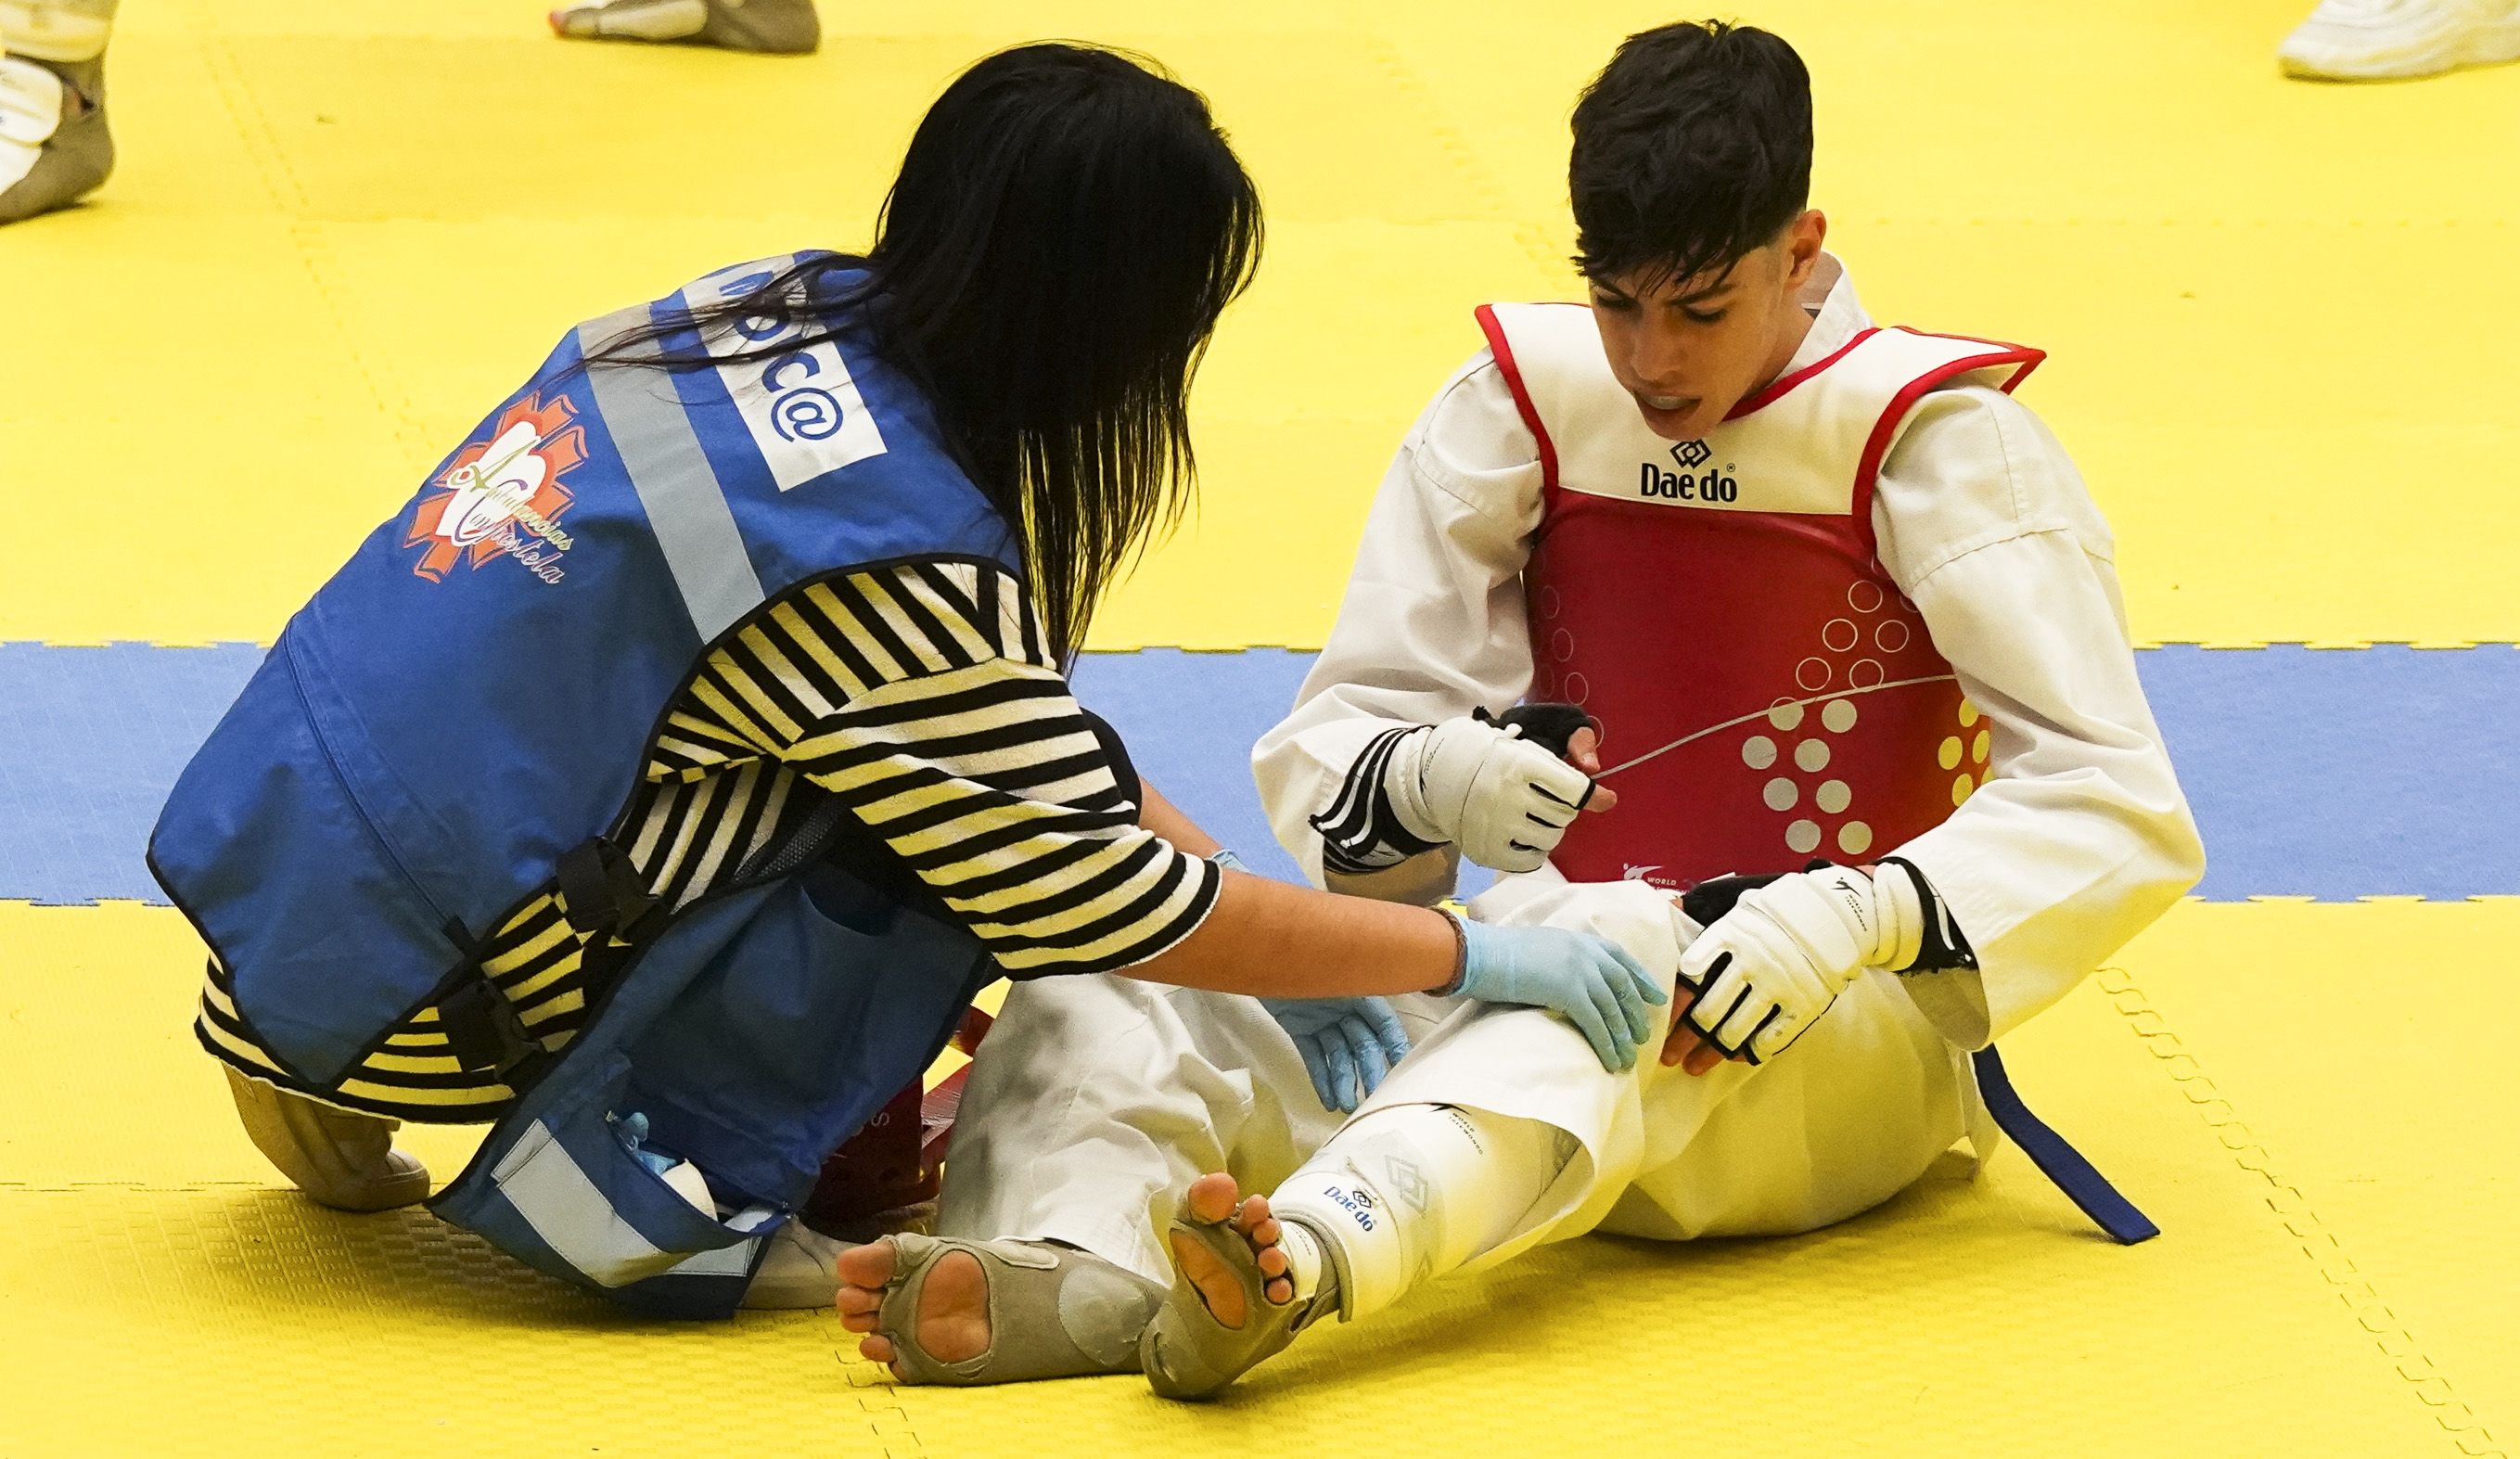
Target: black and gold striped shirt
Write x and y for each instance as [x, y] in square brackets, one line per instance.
[921, 695]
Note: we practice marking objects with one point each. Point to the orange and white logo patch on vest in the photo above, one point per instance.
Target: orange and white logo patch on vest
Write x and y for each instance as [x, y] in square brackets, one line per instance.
[504, 497]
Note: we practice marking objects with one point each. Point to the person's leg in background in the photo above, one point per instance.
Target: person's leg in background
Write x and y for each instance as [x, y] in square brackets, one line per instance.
[54, 146]
[771, 28]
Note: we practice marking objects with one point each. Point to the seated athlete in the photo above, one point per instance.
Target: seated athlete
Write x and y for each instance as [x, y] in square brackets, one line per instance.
[1826, 591]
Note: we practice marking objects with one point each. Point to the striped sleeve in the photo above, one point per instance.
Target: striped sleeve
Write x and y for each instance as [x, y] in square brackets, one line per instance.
[921, 695]
[1360, 831]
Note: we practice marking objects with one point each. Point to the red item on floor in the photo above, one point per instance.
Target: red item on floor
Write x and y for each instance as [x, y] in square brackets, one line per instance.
[897, 1158]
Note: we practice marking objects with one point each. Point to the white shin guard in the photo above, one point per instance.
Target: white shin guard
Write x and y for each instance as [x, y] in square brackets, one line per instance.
[1409, 1193]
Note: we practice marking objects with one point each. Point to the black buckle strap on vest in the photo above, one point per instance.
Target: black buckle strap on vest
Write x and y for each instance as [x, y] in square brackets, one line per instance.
[607, 897]
[482, 1029]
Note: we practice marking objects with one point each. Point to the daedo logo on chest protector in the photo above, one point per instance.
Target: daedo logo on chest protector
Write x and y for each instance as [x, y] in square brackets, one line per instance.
[504, 497]
[1689, 485]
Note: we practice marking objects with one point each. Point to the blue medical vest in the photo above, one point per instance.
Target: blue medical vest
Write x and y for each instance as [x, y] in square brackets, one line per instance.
[459, 718]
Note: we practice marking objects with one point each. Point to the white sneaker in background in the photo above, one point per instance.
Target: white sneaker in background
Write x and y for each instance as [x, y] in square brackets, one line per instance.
[2379, 40]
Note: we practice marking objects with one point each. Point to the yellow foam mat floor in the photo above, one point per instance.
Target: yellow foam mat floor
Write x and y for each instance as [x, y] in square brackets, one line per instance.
[2336, 1277]
[342, 230]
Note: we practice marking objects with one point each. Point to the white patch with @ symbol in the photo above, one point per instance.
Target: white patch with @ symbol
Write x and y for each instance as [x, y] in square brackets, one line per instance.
[801, 406]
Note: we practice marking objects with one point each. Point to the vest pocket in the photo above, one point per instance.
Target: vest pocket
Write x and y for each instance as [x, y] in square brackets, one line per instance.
[829, 1003]
[602, 1215]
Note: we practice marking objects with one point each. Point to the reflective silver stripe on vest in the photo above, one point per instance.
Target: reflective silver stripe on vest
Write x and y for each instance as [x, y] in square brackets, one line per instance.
[686, 505]
[571, 1217]
[545, 1184]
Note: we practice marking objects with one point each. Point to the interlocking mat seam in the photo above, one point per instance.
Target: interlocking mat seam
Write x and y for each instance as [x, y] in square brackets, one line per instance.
[2390, 1335]
[879, 1400]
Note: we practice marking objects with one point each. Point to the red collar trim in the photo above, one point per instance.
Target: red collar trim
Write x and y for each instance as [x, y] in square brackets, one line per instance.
[1777, 386]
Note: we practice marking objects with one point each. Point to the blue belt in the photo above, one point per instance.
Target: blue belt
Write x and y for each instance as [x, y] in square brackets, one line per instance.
[2060, 1162]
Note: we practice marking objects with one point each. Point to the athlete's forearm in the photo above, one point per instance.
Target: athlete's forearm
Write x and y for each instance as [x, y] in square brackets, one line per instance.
[2080, 837]
[1431, 626]
[1276, 941]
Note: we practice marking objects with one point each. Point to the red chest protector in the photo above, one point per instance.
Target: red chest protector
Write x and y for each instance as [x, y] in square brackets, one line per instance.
[1766, 693]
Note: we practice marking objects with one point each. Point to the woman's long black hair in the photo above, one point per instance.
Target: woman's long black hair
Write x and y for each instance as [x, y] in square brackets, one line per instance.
[1066, 229]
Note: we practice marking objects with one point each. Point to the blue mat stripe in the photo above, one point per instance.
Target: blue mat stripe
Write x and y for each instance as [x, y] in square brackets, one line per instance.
[2324, 773]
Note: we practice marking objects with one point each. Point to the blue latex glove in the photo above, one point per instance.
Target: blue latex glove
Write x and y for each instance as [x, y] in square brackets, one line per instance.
[1586, 980]
[633, 1131]
[1348, 1044]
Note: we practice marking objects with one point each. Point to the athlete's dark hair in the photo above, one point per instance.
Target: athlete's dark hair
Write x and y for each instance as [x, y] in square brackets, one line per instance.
[1692, 148]
[1065, 229]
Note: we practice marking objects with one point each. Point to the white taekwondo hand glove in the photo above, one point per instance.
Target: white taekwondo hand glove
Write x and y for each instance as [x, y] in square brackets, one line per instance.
[1768, 969]
[1503, 800]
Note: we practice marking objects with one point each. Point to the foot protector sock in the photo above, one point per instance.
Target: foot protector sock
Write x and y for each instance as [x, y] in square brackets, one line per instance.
[1054, 1311]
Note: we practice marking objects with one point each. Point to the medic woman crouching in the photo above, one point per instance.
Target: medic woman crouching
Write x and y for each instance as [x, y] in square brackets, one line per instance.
[664, 779]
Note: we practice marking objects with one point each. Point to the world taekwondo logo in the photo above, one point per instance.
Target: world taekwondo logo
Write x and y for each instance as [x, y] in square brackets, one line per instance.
[496, 494]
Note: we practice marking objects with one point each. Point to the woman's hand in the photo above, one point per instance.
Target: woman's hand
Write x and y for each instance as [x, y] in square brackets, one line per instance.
[1589, 980]
[1348, 1044]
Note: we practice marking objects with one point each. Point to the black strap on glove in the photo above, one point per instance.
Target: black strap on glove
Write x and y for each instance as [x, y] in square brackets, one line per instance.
[1551, 726]
[1944, 946]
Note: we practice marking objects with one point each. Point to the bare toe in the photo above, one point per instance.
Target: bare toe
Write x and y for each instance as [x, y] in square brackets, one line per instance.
[1248, 1217]
[869, 1266]
[861, 1322]
[1210, 1198]
[855, 1300]
[877, 1349]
